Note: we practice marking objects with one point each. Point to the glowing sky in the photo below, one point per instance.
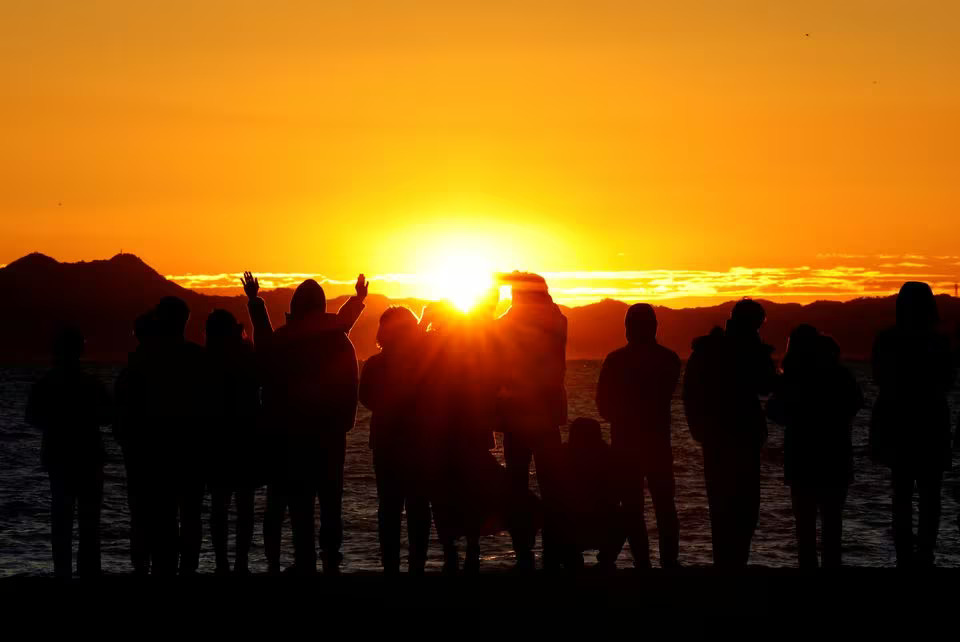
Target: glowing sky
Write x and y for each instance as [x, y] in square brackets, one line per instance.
[689, 150]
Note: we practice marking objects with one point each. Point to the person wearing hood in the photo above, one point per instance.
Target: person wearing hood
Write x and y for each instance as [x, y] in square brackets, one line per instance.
[532, 339]
[634, 393]
[726, 373]
[389, 385]
[816, 399]
[232, 466]
[310, 377]
[69, 405]
[910, 429]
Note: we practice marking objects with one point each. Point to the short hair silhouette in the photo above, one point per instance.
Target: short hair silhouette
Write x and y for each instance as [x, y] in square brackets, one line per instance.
[307, 299]
[68, 346]
[527, 287]
[223, 326]
[640, 322]
[916, 307]
[397, 324]
[438, 315]
[145, 326]
[585, 431]
[172, 316]
[747, 314]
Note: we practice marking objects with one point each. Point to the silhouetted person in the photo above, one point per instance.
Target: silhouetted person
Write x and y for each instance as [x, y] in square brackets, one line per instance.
[634, 393]
[69, 406]
[129, 434]
[310, 378]
[184, 369]
[590, 495]
[816, 399]
[910, 431]
[726, 372]
[389, 385]
[470, 493]
[233, 469]
[532, 337]
[165, 400]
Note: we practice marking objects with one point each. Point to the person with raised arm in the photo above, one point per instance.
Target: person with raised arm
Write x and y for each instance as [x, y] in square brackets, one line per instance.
[310, 377]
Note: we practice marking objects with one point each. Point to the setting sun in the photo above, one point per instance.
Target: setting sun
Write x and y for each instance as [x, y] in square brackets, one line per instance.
[461, 276]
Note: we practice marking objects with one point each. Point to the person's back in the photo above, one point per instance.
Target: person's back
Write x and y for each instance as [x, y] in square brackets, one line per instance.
[589, 492]
[636, 385]
[913, 372]
[725, 375]
[910, 428]
[310, 379]
[816, 400]
[232, 465]
[69, 406]
[634, 394]
[531, 339]
[389, 387]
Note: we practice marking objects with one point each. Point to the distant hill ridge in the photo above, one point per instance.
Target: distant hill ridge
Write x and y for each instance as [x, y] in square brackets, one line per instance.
[103, 297]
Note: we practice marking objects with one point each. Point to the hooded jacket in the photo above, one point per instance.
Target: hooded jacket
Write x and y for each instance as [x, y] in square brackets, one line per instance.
[308, 369]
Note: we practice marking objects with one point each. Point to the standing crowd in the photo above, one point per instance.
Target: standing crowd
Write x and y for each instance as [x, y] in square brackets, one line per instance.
[273, 409]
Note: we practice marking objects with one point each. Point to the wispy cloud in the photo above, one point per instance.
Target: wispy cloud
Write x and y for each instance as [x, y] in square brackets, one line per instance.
[682, 287]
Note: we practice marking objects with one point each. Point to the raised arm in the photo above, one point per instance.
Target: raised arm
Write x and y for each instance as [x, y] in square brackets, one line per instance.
[257, 308]
[350, 311]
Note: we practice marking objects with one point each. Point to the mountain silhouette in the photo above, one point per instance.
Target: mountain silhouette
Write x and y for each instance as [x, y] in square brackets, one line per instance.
[103, 297]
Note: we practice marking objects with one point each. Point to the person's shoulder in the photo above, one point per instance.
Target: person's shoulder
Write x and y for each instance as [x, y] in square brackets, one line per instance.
[711, 341]
[374, 361]
[667, 354]
[617, 355]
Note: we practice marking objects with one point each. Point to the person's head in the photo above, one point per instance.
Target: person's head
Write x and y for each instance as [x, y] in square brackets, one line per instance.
[747, 316]
[172, 315]
[438, 316]
[145, 327]
[527, 288]
[68, 346]
[307, 299]
[223, 329]
[585, 432]
[801, 346]
[828, 350]
[398, 327]
[641, 323]
[916, 307]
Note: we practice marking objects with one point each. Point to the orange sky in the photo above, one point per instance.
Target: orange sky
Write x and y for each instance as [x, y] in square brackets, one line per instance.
[597, 141]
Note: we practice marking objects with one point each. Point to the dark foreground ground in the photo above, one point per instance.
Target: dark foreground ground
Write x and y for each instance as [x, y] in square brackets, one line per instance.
[689, 603]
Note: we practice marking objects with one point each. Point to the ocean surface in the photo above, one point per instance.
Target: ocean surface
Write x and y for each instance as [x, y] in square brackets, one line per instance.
[25, 502]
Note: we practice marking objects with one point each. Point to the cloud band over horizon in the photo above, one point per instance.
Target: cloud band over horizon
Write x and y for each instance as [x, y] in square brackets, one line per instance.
[859, 275]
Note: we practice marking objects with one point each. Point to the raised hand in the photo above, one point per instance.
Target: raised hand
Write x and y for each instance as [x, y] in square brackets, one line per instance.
[251, 286]
[362, 286]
